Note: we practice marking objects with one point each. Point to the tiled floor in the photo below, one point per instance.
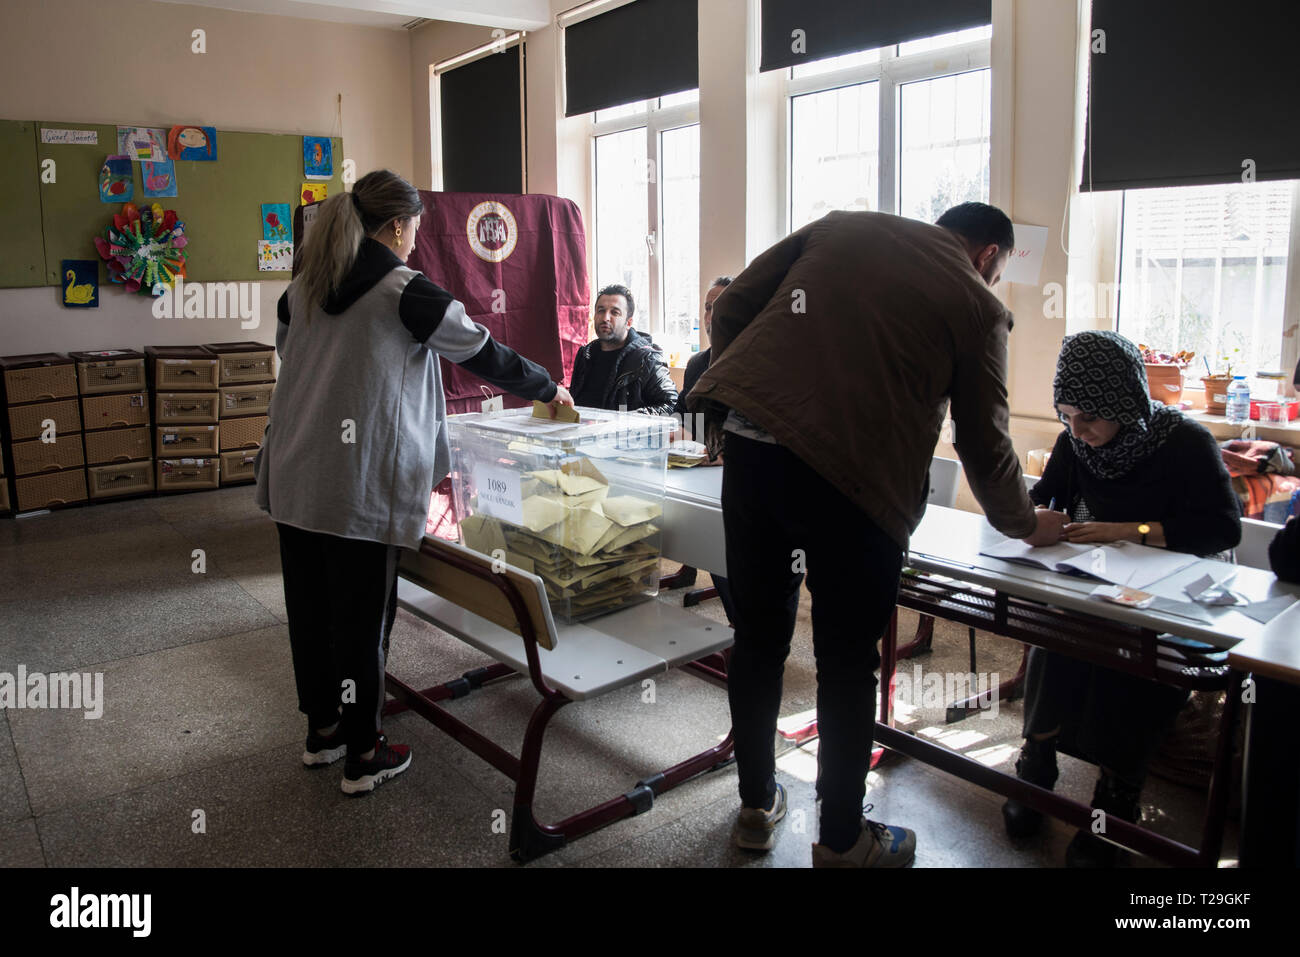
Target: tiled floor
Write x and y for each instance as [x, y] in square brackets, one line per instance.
[195, 760]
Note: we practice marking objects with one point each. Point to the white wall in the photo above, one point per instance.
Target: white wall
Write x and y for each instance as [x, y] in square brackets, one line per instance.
[130, 62]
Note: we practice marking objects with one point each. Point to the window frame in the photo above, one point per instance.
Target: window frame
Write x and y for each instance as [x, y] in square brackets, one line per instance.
[1112, 216]
[891, 72]
[655, 120]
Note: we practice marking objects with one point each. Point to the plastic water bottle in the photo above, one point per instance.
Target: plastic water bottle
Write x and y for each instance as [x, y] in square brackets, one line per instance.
[1238, 408]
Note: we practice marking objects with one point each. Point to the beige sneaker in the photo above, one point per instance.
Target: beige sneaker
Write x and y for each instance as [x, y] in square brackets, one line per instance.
[879, 845]
[756, 827]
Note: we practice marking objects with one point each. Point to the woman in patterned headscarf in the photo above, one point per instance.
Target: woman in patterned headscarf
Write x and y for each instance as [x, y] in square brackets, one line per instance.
[1126, 468]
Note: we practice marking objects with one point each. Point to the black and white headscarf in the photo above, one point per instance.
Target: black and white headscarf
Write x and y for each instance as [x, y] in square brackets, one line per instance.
[1102, 374]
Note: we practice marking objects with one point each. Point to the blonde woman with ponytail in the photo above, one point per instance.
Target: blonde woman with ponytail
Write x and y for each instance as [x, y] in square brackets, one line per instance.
[356, 443]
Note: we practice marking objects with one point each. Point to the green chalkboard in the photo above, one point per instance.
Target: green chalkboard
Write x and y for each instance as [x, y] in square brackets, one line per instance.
[219, 201]
[22, 258]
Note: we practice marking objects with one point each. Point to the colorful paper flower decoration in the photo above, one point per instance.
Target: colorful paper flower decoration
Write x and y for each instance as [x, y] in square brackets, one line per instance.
[144, 248]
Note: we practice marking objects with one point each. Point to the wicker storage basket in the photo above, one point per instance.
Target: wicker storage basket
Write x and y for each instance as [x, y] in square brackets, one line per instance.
[98, 373]
[39, 377]
[37, 456]
[180, 474]
[56, 488]
[186, 408]
[107, 481]
[187, 440]
[238, 466]
[242, 433]
[117, 445]
[25, 420]
[115, 411]
[246, 399]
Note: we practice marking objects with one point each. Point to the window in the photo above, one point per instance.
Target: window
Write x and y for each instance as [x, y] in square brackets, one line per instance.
[1203, 268]
[902, 129]
[647, 184]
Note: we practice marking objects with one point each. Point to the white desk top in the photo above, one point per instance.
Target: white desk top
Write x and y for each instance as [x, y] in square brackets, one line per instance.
[948, 543]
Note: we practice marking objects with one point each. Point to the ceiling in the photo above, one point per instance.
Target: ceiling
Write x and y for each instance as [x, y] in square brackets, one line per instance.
[395, 14]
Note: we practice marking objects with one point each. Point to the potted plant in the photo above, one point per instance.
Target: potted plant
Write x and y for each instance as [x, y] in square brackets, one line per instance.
[1165, 373]
[1216, 386]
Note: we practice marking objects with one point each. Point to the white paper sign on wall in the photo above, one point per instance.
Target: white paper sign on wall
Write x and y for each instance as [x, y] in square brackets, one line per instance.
[1027, 259]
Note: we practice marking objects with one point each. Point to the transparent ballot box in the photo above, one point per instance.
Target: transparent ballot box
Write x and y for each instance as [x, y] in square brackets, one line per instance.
[578, 504]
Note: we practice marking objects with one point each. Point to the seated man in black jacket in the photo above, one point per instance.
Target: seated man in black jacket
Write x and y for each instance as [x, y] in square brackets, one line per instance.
[621, 368]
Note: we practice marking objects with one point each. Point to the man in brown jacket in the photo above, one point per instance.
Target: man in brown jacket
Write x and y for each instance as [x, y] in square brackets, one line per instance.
[835, 357]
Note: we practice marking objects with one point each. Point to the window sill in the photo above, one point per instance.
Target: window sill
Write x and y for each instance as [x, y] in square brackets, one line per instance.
[1286, 434]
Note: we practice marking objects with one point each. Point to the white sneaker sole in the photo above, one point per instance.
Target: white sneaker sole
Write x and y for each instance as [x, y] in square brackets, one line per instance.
[319, 759]
[368, 782]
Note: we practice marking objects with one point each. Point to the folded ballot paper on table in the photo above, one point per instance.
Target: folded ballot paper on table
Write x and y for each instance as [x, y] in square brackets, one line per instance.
[1119, 563]
[580, 504]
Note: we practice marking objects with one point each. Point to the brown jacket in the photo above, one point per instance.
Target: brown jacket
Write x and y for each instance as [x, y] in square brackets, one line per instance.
[846, 341]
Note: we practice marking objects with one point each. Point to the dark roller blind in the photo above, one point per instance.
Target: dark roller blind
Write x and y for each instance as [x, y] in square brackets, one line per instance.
[648, 48]
[482, 142]
[833, 27]
[1187, 90]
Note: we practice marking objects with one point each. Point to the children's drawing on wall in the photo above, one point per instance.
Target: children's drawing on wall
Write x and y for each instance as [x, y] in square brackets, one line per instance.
[81, 283]
[312, 193]
[116, 180]
[159, 178]
[142, 143]
[317, 157]
[276, 222]
[192, 143]
[274, 257]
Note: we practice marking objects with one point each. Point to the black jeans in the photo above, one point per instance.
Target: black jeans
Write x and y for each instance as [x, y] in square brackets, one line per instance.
[782, 518]
[341, 598]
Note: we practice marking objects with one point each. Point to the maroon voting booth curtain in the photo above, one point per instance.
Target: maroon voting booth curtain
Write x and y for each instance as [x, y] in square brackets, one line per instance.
[519, 265]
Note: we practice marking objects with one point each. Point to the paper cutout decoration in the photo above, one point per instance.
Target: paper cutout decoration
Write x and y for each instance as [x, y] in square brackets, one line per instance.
[159, 177]
[274, 257]
[276, 222]
[116, 180]
[142, 143]
[80, 283]
[144, 248]
[192, 143]
[317, 157]
[312, 193]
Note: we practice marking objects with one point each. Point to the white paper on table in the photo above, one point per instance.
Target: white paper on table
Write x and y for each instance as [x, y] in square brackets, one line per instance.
[1026, 260]
[1120, 563]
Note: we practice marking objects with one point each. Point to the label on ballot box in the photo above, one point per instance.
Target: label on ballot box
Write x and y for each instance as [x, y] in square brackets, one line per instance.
[499, 493]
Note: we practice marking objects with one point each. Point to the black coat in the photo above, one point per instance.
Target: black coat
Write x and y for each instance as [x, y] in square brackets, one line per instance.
[640, 381]
[1183, 485]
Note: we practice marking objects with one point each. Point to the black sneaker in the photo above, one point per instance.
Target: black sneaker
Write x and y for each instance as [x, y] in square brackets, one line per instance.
[323, 750]
[362, 776]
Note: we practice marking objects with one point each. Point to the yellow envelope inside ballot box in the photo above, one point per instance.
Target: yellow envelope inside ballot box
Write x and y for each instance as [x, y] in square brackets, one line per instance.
[482, 533]
[619, 537]
[630, 510]
[563, 413]
[541, 512]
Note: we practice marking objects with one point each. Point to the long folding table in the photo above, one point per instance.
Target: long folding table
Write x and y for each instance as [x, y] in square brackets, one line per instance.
[948, 578]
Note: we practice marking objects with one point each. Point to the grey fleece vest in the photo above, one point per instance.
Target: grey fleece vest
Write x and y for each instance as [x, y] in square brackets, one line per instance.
[357, 436]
